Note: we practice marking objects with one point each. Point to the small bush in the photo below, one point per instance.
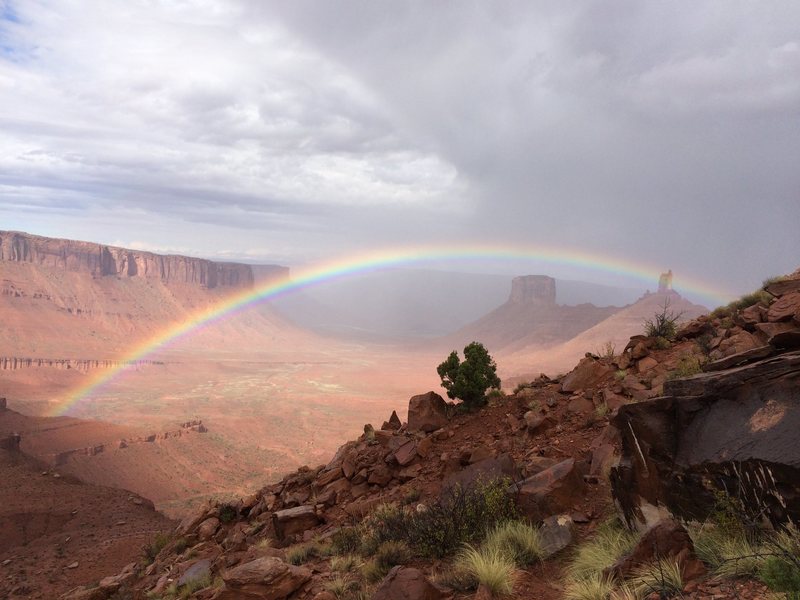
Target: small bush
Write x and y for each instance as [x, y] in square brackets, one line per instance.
[181, 545]
[602, 410]
[608, 350]
[412, 495]
[781, 570]
[460, 515]
[594, 587]
[664, 324]
[519, 542]
[345, 541]
[758, 297]
[227, 513]
[490, 567]
[662, 343]
[620, 374]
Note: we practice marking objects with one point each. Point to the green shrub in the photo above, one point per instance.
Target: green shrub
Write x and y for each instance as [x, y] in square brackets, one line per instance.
[460, 515]
[181, 545]
[469, 380]
[517, 541]
[227, 513]
[662, 343]
[780, 571]
[620, 374]
[490, 567]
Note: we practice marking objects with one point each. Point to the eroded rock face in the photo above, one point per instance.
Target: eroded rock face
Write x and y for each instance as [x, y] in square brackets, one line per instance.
[427, 412]
[588, 373]
[732, 431]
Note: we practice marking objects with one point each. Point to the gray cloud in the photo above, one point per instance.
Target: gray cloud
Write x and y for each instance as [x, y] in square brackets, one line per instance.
[661, 132]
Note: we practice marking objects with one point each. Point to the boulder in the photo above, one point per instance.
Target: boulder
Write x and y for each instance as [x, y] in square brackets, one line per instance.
[589, 372]
[266, 578]
[784, 308]
[551, 491]
[537, 423]
[480, 453]
[786, 340]
[736, 343]
[291, 521]
[406, 453]
[667, 540]
[486, 470]
[427, 412]
[406, 583]
[556, 534]
[646, 364]
[197, 570]
[739, 358]
[732, 432]
[207, 529]
[786, 285]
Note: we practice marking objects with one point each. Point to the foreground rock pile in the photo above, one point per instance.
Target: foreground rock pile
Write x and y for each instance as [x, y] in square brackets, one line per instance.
[661, 426]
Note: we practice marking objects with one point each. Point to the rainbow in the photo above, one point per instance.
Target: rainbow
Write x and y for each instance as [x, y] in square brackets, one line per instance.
[373, 261]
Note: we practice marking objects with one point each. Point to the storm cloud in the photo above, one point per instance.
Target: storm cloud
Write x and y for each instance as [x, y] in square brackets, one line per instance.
[286, 131]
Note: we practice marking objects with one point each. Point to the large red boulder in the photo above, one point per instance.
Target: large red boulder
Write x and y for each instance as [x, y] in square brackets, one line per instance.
[552, 491]
[427, 412]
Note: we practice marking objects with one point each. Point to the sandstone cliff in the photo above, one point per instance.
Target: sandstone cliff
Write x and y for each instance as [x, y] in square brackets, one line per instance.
[100, 260]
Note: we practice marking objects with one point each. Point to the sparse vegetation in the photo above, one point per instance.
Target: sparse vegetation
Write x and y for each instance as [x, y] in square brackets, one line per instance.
[522, 386]
[687, 366]
[620, 374]
[601, 410]
[345, 563]
[664, 324]
[153, 548]
[490, 567]
[608, 350]
[460, 515]
[302, 553]
[341, 587]
[595, 586]
[760, 296]
[469, 380]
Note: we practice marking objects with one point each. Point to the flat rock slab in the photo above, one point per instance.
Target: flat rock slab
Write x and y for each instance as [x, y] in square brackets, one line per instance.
[295, 520]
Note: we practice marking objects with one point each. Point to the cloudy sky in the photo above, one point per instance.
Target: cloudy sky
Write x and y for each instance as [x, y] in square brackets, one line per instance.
[666, 132]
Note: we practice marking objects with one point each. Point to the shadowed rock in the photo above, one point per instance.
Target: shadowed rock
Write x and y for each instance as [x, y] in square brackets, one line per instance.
[733, 431]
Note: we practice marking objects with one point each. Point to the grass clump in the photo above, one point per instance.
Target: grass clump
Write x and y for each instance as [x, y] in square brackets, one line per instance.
[594, 587]
[522, 386]
[758, 297]
[490, 567]
[662, 577]
[620, 374]
[345, 563]
[610, 542]
[342, 587]
[389, 554]
[728, 552]
[517, 541]
[194, 585]
[302, 553]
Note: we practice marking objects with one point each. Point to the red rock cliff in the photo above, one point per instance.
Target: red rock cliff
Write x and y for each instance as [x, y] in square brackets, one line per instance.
[101, 261]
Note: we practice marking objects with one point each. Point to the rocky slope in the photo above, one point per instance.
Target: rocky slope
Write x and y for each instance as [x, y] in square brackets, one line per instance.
[568, 445]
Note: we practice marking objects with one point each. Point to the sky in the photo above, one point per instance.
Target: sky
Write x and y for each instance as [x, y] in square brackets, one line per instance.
[665, 132]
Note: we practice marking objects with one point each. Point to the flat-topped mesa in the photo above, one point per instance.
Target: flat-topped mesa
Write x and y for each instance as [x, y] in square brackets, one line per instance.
[100, 261]
[533, 289]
